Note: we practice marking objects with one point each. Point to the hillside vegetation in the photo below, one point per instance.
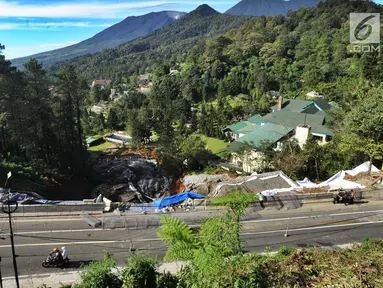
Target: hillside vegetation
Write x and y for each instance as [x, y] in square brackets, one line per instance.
[173, 40]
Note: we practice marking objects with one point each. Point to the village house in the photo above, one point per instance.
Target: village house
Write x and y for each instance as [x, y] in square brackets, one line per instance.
[289, 119]
[101, 83]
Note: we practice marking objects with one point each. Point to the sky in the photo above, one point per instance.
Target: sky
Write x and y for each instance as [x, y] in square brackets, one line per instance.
[31, 26]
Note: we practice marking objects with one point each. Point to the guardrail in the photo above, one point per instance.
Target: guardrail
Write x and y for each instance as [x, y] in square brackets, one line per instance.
[56, 210]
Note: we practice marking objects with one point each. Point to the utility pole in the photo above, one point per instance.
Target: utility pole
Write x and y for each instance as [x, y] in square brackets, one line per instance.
[9, 211]
[9, 207]
[1, 277]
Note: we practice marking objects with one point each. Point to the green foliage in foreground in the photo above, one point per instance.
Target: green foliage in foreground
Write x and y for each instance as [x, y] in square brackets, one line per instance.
[140, 272]
[100, 274]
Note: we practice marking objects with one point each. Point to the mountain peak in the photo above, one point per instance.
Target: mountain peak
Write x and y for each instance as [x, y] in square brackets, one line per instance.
[204, 10]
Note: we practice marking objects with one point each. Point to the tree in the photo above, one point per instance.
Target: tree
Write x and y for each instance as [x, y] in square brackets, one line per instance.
[112, 120]
[193, 150]
[366, 121]
[42, 140]
[70, 110]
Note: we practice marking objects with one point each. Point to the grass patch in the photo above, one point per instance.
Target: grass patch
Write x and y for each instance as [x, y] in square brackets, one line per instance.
[215, 145]
[102, 147]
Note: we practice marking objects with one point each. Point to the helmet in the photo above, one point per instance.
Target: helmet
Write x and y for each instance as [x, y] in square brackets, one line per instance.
[56, 250]
[63, 248]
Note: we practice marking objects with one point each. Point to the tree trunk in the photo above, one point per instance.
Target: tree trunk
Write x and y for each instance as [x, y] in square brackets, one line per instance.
[370, 166]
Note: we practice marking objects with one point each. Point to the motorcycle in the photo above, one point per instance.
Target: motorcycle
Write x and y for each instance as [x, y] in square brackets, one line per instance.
[51, 262]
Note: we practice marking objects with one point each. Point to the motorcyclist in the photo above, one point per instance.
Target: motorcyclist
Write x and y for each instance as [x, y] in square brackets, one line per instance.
[56, 255]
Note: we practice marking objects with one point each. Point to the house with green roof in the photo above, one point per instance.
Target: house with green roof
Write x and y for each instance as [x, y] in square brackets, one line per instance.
[289, 119]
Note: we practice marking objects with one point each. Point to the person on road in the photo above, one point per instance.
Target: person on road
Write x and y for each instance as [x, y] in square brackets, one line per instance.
[64, 253]
[261, 199]
[56, 255]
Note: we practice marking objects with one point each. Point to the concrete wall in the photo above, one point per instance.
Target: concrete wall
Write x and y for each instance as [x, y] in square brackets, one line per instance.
[56, 210]
[302, 134]
[249, 162]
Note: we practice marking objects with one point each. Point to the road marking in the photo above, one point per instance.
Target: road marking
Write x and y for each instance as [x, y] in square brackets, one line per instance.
[43, 220]
[80, 243]
[313, 216]
[245, 221]
[157, 239]
[311, 228]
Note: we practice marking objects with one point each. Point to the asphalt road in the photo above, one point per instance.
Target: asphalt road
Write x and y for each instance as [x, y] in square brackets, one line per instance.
[34, 238]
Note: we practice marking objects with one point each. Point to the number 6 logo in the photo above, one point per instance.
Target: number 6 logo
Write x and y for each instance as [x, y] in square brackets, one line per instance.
[365, 28]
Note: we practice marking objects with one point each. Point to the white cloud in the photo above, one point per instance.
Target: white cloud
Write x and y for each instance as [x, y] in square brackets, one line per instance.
[21, 51]
[57, 45]
[76, 10]
[50, 25]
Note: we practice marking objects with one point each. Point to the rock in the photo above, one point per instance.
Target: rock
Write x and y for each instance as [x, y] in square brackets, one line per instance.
[204, 184]
[129, 178]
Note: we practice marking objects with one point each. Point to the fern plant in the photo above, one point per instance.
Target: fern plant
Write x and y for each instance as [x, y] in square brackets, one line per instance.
[180, 238]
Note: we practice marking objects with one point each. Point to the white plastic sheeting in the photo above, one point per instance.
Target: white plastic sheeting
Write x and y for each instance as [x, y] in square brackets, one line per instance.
[306, 183]
[263, 177]
[338, 182]
[362, 168]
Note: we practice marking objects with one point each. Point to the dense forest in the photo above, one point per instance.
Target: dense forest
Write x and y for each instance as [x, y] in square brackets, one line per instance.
[41, 135]
[219, 59]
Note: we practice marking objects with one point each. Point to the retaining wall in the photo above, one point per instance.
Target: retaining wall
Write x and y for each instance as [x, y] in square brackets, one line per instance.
[56, 210]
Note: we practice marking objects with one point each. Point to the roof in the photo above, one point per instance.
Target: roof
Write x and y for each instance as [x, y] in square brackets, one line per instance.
[239, 125]
[255, 118]
[293, 105]
[247, 129]
[90, 140]
[323, 104]
[293, 119]
[266, 133]
[101, 82]
[321, 129]
[296, 105]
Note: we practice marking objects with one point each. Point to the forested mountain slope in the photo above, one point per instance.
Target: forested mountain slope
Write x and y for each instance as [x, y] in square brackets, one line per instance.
[269, 7]
[124, 31]
[160, 45]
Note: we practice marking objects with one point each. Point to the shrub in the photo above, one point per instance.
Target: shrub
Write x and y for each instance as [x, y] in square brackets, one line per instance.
[366, 244]
[140, 272]
[100, 274]
[286, 251]
[167, 280]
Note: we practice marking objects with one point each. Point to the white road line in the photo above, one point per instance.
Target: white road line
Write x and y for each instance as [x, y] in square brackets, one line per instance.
[245, 221]
[43, 220]
[79, 243]
[314, 216]
[311, 228]
[157, 239]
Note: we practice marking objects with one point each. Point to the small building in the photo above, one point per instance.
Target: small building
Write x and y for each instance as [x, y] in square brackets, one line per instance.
[90, 142]
[101, 83]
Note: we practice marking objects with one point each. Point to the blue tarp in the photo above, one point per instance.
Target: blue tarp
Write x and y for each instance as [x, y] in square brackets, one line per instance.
[168, 201]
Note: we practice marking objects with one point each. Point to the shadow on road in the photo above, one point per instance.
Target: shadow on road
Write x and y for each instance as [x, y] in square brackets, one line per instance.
[78, 264]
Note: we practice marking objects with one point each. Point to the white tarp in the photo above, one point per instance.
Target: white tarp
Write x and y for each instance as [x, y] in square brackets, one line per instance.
[337, 182]
[306, 183]
[362, 168]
